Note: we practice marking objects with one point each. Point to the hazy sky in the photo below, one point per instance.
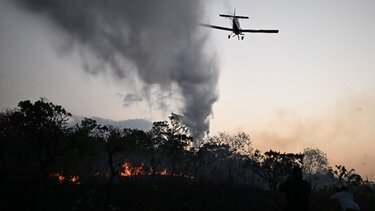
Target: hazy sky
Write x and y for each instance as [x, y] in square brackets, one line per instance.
[311, 85]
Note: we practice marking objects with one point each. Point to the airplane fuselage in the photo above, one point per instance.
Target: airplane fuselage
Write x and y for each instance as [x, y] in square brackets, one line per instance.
[236, 27]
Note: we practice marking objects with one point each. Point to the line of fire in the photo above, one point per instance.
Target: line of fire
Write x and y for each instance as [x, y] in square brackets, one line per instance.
[127, 170]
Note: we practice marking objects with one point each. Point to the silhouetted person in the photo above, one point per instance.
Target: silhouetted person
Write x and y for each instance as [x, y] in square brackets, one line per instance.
[297, 191]
[343, 200]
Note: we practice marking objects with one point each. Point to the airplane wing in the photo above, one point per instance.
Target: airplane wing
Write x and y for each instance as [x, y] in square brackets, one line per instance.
[259, 31]
[217, 27]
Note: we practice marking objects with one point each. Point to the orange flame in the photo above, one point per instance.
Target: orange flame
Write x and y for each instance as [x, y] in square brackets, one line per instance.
[61, 178]
[128, 170]
[163, 172]
[74, 179]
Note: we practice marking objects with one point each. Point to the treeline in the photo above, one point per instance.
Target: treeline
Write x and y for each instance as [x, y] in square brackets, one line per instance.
[39, 147]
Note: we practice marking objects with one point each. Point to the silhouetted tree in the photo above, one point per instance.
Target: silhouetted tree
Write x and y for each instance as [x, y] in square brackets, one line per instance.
[87, 151]
[34, 135]
[273, 166]
[240, 151]
[315, 161]
[219, 146]
[315, 166]
[207, 152]
[173, 138]
[239, 143]
[114, 145]
[345, 177]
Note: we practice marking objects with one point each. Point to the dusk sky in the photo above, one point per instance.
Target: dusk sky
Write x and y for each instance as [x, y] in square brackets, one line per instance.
[310, 85]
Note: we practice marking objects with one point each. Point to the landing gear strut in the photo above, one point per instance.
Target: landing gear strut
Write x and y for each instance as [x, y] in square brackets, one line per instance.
[238, 36]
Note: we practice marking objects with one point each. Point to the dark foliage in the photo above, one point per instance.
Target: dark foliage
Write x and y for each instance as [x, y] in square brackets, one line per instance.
[274, 166]
[47, 165]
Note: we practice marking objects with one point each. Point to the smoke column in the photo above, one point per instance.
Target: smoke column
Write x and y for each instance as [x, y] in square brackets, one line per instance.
[157, 41]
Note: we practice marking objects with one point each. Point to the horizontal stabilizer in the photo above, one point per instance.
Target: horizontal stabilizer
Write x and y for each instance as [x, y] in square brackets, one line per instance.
[234, 16]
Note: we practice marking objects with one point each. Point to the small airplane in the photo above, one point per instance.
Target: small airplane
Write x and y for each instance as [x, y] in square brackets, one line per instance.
[236, 29]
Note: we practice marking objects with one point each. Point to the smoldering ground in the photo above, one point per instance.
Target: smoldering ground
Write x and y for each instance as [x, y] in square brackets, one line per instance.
[157, 42]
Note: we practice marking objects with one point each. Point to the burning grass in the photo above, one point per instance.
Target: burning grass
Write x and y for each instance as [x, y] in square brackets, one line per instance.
[61, 178]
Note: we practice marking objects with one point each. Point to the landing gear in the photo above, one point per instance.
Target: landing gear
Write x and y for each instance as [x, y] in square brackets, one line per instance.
[239, 36]
[231, 35]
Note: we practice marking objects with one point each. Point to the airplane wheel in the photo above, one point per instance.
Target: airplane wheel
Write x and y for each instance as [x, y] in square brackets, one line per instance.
[242, 37]
[228, 36]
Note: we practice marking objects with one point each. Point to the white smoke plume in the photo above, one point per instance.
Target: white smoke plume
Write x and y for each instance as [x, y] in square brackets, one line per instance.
[156, 41]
